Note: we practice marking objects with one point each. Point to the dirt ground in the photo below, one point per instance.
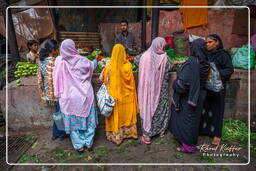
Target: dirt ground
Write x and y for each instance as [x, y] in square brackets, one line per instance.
[161, 151]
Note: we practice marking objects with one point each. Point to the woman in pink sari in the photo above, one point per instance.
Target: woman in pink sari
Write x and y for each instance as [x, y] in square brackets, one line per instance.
[153, 94]
[73, 88]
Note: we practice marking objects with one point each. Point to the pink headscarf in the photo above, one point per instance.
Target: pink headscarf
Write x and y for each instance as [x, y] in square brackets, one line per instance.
[151, 73]
[72, 81]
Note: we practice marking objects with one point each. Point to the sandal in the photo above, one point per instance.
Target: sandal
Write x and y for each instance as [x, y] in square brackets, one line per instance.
[80, 150]
[54, 138]
[179, 149]
[216, 141]
[90, 148]
[162, 134]
[142, 139]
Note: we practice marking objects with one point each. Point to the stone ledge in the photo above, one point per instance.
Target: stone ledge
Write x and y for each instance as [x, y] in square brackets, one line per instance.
[27, 112]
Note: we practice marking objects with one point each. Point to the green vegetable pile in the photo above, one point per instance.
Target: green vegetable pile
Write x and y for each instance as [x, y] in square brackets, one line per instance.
[24, 69]
[90, 57]
[179, 59]
[93, 55]
[96, 52]
[135, 68]
[236, 130]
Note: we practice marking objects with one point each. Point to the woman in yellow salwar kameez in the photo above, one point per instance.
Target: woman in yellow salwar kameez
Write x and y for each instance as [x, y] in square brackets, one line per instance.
[121, 86]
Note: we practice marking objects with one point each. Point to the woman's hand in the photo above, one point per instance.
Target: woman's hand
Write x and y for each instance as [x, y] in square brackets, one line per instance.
[177, 62]
[43, 99]
[101, 76]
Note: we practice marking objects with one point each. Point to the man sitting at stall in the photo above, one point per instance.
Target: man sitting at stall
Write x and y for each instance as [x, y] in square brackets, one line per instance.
[125, 38]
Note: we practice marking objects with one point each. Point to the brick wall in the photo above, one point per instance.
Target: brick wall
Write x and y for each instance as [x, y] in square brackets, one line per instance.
[219, 22]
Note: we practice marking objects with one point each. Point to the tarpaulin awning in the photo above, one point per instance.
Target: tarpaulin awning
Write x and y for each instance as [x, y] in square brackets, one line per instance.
[33, 23]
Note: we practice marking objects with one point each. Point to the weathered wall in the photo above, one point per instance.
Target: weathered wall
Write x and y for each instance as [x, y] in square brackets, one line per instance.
[25, 110]
[108, 32]
[236, 106]
[220, 22]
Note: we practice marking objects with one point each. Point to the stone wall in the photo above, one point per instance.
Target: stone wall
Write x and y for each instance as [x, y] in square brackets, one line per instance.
[236, 106]
[26, 112]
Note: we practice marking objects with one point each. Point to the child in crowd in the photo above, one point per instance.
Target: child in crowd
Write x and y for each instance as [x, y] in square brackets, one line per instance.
[32, 56]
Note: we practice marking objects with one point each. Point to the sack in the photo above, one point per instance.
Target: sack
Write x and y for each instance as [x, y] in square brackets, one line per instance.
[105, 102]
[181, 45]
[213, 82]
[57, 118]
[241, 59]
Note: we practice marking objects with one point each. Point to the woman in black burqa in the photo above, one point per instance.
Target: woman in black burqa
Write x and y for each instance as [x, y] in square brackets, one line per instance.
[188, 97]
[213, 113]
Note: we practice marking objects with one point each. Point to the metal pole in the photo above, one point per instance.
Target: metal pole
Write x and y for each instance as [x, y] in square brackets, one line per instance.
[143, 26]
[155, 19]
[12, 41]
[54, 18]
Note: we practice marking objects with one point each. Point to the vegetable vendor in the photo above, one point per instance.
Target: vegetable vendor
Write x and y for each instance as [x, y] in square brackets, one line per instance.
[125, 38]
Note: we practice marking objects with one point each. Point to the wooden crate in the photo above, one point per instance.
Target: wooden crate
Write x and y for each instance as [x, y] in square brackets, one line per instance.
[84, 38]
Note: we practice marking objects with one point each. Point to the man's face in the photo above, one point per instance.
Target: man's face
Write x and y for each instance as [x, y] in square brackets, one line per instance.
[124, 26]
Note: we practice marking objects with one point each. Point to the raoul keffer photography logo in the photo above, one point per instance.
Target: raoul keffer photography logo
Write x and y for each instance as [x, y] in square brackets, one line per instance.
[221, 150]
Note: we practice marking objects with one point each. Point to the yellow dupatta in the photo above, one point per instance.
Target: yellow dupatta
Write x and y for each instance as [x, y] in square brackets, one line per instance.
[121, 87]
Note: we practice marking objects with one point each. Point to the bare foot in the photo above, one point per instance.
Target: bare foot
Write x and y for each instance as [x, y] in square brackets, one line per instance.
[162, 134]
[144, 140]
[216, 141]
[147, 138]
[80, 150]
[178, 149]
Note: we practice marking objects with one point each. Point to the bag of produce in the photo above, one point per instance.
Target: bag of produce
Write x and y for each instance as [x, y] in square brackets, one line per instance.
[57, 118]
[180, 46]
[241, 58]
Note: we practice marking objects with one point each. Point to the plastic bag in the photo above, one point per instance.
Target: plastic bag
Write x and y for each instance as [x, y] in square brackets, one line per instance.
[57, 118]
[180, 46]
[241, 59]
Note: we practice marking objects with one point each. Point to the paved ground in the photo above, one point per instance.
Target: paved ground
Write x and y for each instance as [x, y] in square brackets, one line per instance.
[162, 150]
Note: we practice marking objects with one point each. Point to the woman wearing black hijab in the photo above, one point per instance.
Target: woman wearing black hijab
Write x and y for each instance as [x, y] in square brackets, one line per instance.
[213, 113]
[188, 97]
